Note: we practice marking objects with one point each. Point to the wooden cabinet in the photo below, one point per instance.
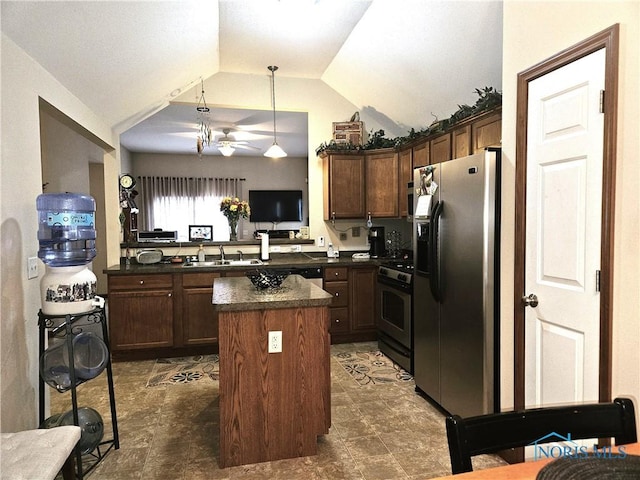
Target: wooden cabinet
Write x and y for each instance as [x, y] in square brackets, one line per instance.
[354, 308]
[343, 186]
[487, 132]
[199, 318]
[381, 175]
[420, 154]
[440, 148]
[140, 311]
[364, 305]
[336, 282]
[461, 141]
[355, 184]
[405, 170]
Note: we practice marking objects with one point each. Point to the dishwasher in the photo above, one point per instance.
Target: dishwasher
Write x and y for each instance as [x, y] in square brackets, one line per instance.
[313, 274]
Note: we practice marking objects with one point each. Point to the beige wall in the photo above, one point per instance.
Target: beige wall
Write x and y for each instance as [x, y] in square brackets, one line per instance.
[23, 82]
[534, 31]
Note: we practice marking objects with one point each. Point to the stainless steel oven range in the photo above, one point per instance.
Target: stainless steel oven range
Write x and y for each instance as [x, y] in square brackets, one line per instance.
[395, 323]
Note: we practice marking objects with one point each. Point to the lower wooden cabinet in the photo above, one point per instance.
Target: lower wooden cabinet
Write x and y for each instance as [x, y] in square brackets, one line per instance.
[363, 299]
[353, 312]
[140, 311]
[199, 318]
[172, 314]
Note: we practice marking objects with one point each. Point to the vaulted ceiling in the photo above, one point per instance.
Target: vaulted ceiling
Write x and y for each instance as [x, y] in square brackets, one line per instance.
[122, 58]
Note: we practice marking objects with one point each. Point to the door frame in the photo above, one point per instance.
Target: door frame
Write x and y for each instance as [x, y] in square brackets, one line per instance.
[609, 40]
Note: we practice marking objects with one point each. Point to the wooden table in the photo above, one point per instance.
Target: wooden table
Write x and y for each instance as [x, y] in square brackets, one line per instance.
[520, 471]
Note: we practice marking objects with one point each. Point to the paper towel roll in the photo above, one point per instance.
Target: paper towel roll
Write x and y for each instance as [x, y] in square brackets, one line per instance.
[264, 247]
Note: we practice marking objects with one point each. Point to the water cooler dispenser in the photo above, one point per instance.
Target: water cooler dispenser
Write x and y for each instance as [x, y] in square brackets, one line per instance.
[67, 238]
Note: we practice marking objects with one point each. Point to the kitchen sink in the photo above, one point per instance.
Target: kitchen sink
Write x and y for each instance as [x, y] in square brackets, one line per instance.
[224, 263]
[252, 261]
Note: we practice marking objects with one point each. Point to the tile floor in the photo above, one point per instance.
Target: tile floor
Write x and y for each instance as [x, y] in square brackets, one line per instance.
[171, 432]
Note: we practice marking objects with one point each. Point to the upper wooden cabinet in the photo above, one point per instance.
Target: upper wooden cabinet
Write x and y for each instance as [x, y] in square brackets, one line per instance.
[344, 186]
[376, 181]
[440, 148]
[420, 154]
[461, 141]
[381, 175]
[486, 132]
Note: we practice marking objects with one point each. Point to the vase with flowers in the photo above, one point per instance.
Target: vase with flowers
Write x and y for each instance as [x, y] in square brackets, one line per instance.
[233, 208]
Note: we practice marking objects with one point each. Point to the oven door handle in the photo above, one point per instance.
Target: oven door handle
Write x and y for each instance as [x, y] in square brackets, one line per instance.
[434, 231]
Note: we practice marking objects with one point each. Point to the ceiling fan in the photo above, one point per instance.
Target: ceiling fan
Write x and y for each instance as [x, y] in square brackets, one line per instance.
[227, 144]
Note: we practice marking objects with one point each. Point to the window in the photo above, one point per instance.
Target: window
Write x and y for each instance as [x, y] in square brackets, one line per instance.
[174, 203]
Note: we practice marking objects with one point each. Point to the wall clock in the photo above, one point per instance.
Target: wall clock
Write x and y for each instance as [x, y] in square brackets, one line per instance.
[127, 181]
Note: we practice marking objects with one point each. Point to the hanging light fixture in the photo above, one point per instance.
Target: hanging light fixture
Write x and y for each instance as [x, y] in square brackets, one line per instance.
[205, 136]
[274, 151]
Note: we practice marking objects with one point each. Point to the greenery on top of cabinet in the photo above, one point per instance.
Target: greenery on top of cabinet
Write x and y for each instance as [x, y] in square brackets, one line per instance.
[490, 98]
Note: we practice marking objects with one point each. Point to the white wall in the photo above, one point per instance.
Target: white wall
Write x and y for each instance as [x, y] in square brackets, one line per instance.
[534, 31]
[23, 82]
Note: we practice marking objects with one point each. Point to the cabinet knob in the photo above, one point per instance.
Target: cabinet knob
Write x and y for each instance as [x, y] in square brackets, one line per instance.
[337, 294]
[169, 294]
[141, 282]
[337, 320]
[336, 274]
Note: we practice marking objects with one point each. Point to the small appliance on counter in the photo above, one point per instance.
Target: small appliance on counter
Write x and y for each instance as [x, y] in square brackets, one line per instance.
[149, 256]
[376, 242]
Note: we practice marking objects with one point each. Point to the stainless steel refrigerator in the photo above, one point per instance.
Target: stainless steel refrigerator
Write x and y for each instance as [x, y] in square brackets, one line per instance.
[456, 282]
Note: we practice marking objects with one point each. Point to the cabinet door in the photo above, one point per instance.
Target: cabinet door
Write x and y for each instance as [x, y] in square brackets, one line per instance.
[440, 148]
[461, 139]
[382, 184]
[406, 176]
[199, 318]
[363, 309]
[141, 319]
[420, 154]
[487, 132]
[343, 178]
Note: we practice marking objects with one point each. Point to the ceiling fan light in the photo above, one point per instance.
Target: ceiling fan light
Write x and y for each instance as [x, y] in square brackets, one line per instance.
[226, 150]
[275, 151]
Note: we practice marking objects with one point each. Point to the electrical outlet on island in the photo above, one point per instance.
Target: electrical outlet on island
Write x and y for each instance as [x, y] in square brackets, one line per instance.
[275, 342]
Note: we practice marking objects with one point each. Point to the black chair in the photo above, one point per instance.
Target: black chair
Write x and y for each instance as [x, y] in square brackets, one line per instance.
[500, 431]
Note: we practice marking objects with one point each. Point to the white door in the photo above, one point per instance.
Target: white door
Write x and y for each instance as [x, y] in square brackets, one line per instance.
[564, 192]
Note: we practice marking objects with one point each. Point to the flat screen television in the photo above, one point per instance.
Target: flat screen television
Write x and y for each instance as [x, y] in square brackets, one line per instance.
[275, 206]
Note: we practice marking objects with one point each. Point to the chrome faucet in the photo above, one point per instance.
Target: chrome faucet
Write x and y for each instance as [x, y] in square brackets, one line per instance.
[240, 254]
[221, 253]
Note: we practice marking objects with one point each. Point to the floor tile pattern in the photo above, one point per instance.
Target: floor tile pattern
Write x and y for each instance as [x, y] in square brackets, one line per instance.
[379, 430]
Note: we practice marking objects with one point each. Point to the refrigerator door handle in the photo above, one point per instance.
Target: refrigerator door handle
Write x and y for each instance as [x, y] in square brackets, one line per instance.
[434, 277]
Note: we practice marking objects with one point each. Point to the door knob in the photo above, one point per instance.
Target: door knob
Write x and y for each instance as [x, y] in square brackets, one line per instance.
[530, 301]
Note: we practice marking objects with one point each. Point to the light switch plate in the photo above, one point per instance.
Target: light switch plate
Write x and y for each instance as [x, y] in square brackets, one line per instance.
[32, 267]
[320, 241]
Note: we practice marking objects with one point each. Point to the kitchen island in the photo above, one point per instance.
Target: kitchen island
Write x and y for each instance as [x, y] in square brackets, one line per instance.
[274, 395]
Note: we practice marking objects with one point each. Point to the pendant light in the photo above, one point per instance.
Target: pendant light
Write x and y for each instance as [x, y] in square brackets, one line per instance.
[274, 151]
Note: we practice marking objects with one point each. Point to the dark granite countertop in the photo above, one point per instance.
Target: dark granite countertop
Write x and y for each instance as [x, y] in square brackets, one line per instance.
[275, 261]
[238, 294]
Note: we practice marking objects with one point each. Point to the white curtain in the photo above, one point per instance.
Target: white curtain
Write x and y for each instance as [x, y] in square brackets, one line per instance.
[174, 203]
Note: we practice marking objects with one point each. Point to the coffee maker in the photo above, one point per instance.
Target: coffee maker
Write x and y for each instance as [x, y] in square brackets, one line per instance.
[376, 242]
